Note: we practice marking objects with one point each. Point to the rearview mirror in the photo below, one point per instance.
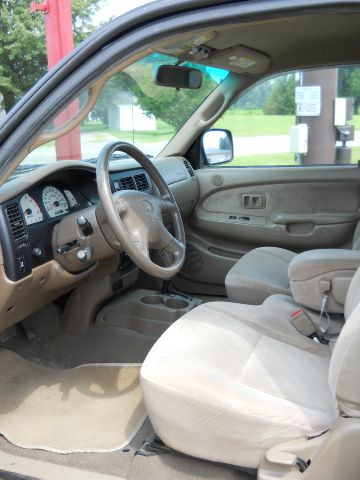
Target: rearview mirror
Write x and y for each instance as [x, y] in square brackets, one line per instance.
[177, 77]
[218, 146]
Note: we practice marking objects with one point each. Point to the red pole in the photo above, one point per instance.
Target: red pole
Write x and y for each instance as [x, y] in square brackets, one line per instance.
[59, 42]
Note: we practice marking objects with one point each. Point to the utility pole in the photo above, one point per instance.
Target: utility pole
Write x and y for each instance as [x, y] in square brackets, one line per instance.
[322, 133]
[59, 42]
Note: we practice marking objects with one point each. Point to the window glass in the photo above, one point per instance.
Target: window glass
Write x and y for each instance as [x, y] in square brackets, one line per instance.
[132, 108]
[308, 117]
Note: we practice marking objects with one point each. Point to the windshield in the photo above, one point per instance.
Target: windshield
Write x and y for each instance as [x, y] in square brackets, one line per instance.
[132, 108]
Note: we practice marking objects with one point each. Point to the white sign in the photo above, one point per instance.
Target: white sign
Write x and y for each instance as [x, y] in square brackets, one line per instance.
[340, 111]
[299, 138]
[308, 101]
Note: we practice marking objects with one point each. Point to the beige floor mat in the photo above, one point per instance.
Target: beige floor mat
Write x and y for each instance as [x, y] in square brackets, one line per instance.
[92, 408]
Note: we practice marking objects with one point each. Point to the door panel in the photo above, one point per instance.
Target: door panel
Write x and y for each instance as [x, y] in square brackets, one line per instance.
[293, 215]
[298, 208]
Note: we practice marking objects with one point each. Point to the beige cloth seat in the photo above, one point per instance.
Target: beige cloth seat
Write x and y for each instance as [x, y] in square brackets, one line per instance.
[228, 381]
[263, 272]
[220, 384]
[258, 274]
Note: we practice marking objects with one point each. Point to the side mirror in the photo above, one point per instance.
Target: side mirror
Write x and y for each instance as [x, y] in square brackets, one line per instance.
[218, 146]
[177, 77]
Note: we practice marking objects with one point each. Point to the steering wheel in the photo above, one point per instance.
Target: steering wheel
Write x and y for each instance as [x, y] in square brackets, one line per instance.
[136, 217]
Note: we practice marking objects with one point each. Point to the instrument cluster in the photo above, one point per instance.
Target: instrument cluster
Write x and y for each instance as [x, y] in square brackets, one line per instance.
[47, 202]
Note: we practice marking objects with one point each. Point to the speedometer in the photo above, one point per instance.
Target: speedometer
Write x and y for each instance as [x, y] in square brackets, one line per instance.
[54, 201]
[31, 209]
[71, 199]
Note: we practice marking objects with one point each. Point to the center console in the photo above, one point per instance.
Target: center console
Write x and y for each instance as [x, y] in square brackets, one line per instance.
[145, 311]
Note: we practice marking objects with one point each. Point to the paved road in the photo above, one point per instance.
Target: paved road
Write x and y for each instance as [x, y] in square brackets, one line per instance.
[271, 144]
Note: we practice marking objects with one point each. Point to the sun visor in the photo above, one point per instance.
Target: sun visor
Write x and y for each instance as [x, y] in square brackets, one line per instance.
[240, 59]
[186, 45]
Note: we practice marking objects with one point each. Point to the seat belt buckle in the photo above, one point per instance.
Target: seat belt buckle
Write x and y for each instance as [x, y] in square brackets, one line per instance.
[302, 322]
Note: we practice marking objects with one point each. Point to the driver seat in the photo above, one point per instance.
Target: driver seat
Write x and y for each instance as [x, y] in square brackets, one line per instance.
[221, 385]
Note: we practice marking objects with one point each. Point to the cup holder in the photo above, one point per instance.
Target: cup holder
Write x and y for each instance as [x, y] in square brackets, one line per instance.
[152, 299]
[176, 303]
[169, 302]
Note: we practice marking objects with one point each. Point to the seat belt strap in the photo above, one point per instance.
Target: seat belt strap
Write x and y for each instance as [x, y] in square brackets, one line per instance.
[325, 287]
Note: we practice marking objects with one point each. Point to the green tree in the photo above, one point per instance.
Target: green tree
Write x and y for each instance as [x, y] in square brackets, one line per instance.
[253, 99]
[349, 84]
[280, 99]
[343, 81]
[167, 104]
[22, 44]
[354, 87]
[121, 82]
[170, 105]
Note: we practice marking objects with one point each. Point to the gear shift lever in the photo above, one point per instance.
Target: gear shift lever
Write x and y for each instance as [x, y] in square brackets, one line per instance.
[165, 287]
[165, 291]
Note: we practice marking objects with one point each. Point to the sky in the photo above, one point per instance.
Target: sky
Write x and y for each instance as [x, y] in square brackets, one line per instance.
[117, 7]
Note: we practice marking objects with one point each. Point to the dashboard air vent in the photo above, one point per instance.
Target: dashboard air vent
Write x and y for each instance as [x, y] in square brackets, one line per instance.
[128, 183]
[16, 221]
[189, 168]
[141, 182]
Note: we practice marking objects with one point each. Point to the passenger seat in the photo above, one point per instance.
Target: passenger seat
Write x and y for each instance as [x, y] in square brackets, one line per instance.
[263, 272]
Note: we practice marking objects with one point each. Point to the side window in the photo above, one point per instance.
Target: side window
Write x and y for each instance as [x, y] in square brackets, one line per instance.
[299, 118]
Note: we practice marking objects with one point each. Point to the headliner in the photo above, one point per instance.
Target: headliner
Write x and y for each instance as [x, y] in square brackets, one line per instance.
[307, 40]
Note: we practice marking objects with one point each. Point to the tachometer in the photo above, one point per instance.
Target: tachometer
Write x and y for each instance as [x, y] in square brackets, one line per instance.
[31, 210]
[54, 201]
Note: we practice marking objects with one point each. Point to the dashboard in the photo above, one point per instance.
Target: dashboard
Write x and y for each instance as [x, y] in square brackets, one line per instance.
[37, 207]
[27, 221]
[31, 206]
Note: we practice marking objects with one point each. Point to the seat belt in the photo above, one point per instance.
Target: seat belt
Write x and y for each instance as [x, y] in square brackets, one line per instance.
[302, 322]
[325, 287]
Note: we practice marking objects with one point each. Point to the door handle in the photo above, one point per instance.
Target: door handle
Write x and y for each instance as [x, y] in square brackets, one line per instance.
[253, 200]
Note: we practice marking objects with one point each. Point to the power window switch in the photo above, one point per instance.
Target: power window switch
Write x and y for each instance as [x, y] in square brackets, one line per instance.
[232, 217]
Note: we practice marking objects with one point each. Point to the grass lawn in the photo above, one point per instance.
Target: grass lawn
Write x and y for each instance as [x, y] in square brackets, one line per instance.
[261, 160]
[356, 122]
[274, 159]
[242, 123]
[252, 123]
[246, 123]
[99, 132]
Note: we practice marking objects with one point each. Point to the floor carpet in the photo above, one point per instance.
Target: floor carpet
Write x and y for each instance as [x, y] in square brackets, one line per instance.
[91, 408]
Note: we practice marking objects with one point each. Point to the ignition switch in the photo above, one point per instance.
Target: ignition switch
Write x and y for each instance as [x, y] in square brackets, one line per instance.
[84, 254]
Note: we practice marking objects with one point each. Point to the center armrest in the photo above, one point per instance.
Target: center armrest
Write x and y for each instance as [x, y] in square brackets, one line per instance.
[311, 272]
